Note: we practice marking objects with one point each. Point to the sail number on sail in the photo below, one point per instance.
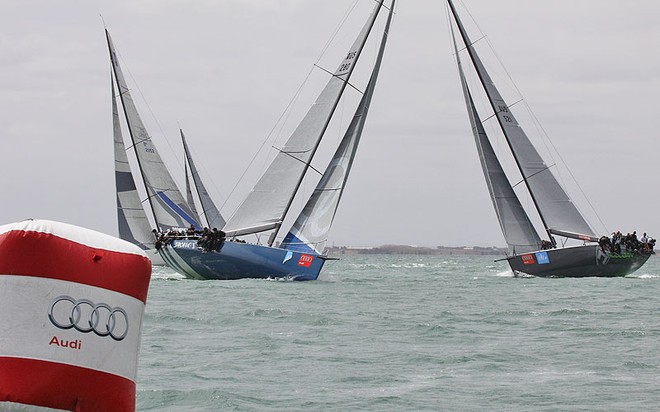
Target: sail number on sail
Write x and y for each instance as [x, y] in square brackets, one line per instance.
[350, 56]
[504, 109]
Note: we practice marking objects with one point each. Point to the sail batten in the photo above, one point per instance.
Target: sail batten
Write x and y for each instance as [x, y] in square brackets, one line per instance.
[273, 194]
[551, 201]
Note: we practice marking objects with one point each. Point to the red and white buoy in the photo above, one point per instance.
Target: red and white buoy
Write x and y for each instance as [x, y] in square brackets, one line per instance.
[71, 307]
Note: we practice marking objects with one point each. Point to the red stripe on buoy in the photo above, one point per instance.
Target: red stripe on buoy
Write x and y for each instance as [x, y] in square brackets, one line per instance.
[30, 253]
[36, 382]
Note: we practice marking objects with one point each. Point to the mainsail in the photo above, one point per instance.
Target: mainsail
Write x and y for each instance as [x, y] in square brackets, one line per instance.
[557, 211]
[131, 217]
[519, 233]
[169, 207]
[266, 205]
[309, 232]
[210, 212]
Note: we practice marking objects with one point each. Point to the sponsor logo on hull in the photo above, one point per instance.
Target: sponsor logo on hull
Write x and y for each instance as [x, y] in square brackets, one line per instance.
[305, 260]
[528, 259]
[542, 258]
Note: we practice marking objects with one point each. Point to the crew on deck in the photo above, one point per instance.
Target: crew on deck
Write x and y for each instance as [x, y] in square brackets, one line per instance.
[627, 243]
[211, 239]
[546, 244]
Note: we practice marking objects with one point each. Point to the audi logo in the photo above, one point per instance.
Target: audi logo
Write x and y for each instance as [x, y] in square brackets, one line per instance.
[85, 316]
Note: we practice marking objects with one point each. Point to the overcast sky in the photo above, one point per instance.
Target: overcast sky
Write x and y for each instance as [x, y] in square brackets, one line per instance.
[226, 70]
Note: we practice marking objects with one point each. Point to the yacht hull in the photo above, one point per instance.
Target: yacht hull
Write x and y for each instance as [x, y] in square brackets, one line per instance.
[578, 261]
[236, 260]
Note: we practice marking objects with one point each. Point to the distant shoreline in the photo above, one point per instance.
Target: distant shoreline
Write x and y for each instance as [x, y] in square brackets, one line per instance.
[416, 250]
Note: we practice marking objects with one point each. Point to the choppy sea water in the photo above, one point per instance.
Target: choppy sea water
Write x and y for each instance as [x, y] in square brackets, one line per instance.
[391, 333]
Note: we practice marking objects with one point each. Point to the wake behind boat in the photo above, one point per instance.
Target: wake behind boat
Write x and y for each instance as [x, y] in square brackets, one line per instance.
[215, 254]
[559, 216]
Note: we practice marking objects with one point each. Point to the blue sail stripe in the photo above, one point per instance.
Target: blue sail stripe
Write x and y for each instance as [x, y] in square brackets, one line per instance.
[292, 242]
[178, 210]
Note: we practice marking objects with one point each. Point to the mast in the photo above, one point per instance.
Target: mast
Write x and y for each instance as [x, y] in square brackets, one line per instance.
[519, 233]
[113, 59]
[168, 204]
[309, 232]
[473, 56]
[270, 199]
[555, 208]
[132, 222]
[327, 121]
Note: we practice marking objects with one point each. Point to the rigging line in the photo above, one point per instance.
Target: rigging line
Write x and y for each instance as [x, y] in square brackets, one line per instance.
[285, 114]
[472, 44]
[385, 7]
[534, 174]
[204, 169]
[290, 154]
[137, 142]
[499, 111]
[334, 75]
[153, 116]
[325, 48]
[544, 133]
[584, 195]
[547, 139]
[483, 35]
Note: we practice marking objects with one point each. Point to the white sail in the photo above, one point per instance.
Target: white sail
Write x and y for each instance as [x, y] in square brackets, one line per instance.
[168, 205]
[266, 205]
[132, 220]
[189, 192]
[555, 207]
[309, 232]
[210, 212]
[519, 233]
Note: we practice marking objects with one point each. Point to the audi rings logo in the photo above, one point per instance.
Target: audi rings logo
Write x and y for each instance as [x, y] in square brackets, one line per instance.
[85, 316]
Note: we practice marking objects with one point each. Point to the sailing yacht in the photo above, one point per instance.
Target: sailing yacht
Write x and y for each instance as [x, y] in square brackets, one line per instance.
[168, 208]
[300, 255]
[527, 253]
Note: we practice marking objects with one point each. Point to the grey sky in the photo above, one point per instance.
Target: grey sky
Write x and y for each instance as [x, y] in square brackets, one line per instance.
[226, 70]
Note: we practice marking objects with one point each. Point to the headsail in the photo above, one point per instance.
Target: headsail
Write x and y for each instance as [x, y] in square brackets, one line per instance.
[309, 232]
[518, 230]
[268, 202]
[189, 191]
[556, 209]
[170, 208]
[132, 220]
[210, 212]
